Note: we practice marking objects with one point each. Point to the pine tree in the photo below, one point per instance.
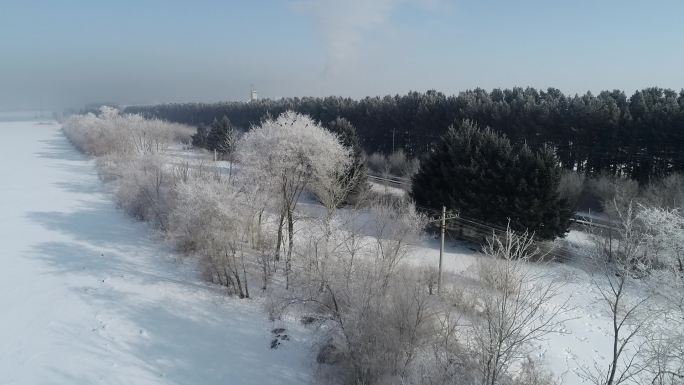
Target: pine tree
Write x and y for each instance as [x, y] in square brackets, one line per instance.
[222, 137]
[480, 174]
[199, 139]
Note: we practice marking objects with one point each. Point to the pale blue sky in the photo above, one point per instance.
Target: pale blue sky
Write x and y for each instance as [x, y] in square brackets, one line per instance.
[66, 53]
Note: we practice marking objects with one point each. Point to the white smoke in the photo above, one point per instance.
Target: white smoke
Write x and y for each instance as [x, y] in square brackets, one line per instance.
[344, 24]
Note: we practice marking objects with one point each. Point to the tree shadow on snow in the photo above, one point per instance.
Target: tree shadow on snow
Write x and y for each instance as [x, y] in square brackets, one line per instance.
[59, 148]
[156, 319]
[99, 223]
[177, 331]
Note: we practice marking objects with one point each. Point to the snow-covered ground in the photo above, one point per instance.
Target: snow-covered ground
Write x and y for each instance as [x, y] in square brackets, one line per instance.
[88, 296]
[385, 189]
[586, 336]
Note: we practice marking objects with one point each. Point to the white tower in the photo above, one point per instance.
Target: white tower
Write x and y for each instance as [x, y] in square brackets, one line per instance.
[252, 94]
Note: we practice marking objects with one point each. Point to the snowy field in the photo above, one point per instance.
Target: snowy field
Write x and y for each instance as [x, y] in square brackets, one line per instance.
[88, 296]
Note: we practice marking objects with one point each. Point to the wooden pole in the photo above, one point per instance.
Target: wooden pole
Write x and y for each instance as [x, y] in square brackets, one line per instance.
[441, 251]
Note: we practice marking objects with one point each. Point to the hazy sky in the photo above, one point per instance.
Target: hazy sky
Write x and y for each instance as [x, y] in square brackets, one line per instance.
[67, 53]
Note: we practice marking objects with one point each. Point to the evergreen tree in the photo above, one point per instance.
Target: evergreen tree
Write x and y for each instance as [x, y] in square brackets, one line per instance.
[199, 139]
[480, 174]
[357, 169]
[222, 136]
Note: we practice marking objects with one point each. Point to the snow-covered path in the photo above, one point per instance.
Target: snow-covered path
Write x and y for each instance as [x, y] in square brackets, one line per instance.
[88, 296]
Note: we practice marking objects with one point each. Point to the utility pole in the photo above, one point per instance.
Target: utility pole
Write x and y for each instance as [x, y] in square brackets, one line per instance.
[393, 131]
[441, 251]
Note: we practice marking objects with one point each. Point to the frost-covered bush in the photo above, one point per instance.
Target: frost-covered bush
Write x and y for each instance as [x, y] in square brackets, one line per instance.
[376, 311]
[110, 132]
[144, 188]
[212, 219]
[378, 163]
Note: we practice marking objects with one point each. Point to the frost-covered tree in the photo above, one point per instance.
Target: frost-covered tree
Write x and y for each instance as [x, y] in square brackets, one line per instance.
[665, 230]
[288, 154]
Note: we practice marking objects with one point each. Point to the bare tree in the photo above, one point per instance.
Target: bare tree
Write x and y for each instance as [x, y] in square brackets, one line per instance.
[516, 307]
[665, 351]
[618, 265]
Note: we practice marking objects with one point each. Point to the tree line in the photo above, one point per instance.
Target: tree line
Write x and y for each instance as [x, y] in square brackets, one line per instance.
[638, 136]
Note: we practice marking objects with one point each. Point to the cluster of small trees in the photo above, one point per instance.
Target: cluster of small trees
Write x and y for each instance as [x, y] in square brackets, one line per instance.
[638, 136]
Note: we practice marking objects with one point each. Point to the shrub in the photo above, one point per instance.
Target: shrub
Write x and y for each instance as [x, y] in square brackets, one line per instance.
[376, 311]
[378, 163]
[213, 220]
[401, 165]
[112, 133]
[144, 189]
[610, 188]
[666, 193]
[570, 186]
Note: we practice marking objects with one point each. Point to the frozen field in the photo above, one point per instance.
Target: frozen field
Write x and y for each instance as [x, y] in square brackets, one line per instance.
[89, 296]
